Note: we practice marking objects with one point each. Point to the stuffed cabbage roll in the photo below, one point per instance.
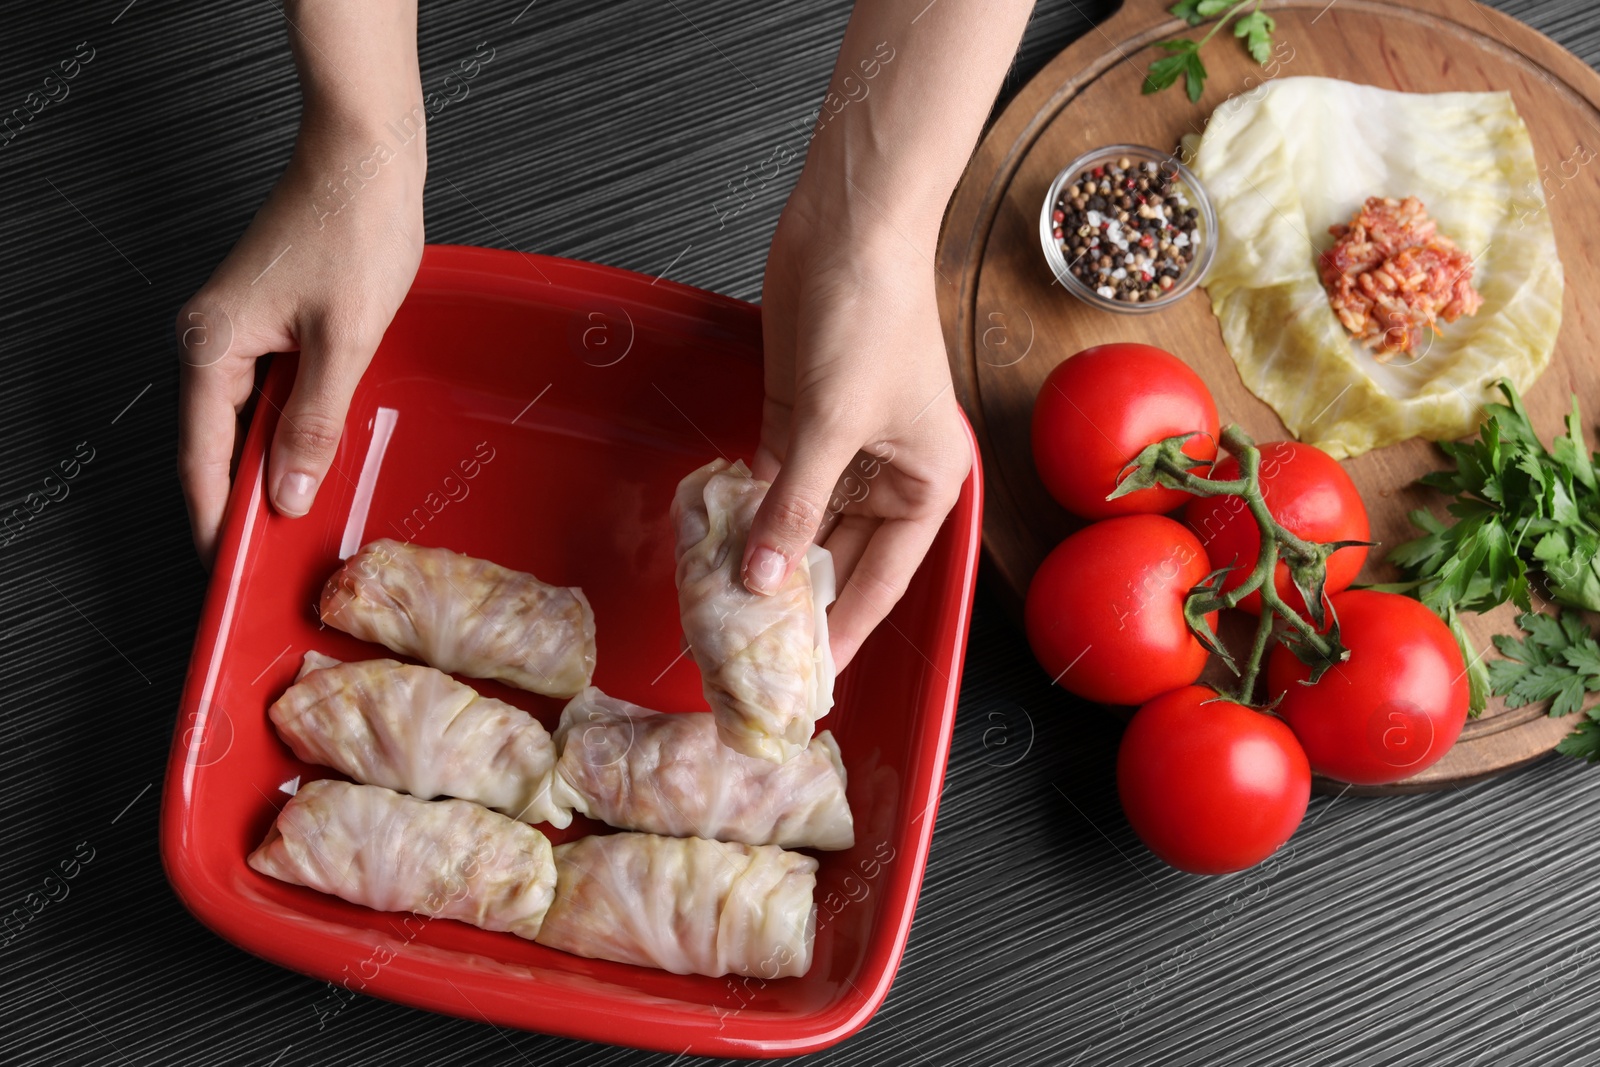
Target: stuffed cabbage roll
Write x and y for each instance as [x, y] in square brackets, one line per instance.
[764, 660]
[419, 731]
[443, 858]
[465, 615]
[684, 905]
[669, 774]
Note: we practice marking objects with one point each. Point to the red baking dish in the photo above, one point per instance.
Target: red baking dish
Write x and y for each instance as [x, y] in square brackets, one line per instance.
[539, 412]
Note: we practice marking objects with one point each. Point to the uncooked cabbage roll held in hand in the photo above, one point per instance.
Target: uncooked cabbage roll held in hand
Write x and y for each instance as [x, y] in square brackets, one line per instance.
[419, 731]
[684, 905]
[465, 615]
[764, 660]
[443, 858]
[669, 774]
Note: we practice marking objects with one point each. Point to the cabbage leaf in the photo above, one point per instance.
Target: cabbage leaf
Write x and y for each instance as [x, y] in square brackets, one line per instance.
[1287, 162]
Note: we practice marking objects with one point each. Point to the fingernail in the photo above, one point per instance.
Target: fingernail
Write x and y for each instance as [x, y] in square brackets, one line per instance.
[764, 573]
[295, 492]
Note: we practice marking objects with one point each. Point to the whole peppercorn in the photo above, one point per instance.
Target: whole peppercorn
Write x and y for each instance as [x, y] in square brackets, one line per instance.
[1127, 229]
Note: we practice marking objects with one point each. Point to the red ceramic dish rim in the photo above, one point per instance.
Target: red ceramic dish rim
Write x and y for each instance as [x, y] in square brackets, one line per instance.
[486, 998]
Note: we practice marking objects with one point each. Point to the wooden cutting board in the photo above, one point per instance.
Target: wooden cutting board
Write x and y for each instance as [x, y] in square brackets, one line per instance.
[1007, 322]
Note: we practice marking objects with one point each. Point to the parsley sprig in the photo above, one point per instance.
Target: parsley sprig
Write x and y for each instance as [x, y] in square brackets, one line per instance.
[1520, 509]
[1183, 58]
[1584, 742]
[1519, 506]
[1558, 661]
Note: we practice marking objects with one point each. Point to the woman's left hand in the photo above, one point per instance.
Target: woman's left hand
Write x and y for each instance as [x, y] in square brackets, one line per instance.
[861, 434]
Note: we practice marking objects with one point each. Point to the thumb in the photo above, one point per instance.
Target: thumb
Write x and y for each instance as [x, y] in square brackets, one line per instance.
[312, 422]
[788, 519]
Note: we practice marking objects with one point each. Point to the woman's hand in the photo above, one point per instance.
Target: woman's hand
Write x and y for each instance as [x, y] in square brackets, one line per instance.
[861, 434]
[321, 269]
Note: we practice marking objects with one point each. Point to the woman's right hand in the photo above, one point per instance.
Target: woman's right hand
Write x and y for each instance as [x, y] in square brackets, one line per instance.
[321, 269]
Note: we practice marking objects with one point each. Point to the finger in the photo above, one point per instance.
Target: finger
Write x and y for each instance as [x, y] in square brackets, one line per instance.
[878, 582]
[214, 380]
[766, 462]
[312, 422]
[847, 542]
[795, 506]
[206, 431]
[764, 465]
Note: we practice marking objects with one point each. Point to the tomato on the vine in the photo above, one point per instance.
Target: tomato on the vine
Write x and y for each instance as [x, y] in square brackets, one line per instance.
[1309, 494]
[1104, 612]
[1211, 786]
[1393, 708]
[1099, 409]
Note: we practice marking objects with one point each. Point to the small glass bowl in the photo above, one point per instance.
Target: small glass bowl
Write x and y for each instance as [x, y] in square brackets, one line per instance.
[1193, 191]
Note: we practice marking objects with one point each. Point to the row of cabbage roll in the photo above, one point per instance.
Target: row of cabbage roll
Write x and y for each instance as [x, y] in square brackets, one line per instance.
[419, 731]
[684, 905]
[764, 661]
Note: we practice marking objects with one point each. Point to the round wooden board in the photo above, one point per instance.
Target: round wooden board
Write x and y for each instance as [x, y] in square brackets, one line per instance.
[1008, 322]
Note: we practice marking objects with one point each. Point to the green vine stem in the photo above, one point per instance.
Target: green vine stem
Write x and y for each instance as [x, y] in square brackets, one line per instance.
[1165, 463]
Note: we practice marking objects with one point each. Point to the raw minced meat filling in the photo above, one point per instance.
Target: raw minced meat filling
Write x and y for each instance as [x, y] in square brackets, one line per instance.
[1390, 274]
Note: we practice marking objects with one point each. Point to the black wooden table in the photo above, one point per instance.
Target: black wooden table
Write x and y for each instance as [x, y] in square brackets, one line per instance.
[1443, 929]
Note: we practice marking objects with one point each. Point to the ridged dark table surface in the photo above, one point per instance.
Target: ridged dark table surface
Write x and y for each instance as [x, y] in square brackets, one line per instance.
[1449, 929]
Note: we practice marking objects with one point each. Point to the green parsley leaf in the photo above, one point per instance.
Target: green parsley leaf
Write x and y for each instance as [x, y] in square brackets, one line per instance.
[1569, 700]
[1256, 29]
[1477, 670]
[1518, 506]
[1194, 76]
[1558, 661]
[1569, 452]
[1571, 561]
[1163, 72]
[1546, 630]
[1584, 658]
[1188, 11]
[1583, 743]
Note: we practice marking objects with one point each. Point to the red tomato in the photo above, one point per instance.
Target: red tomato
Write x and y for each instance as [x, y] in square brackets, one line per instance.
[1099, 409]
[1105, 609]
[1389, 711]
[1309, 494]
[1211, 787]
